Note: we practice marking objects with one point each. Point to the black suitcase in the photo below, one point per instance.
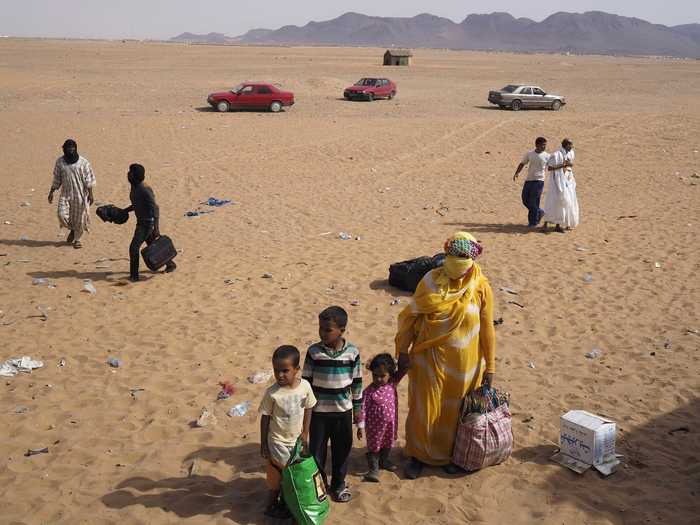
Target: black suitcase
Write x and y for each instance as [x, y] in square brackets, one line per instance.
[159, 253]
[406, 275]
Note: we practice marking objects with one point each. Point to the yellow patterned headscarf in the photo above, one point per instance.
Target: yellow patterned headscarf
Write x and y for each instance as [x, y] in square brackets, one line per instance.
[460, 251]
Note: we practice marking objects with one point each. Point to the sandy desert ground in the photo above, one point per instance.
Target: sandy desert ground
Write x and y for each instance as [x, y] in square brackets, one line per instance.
[399, 174]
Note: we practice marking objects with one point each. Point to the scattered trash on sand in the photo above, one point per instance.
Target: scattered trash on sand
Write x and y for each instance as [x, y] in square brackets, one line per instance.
[114, 362]
[498, 322]
[682, 429]
[44, 311]
[239, 410]
[657, 265]
[24, 364]
[516, 303]
[197, 213]
[531, 365]
[581, 249]
[205, 419]
[626, 217]
[585, 441]
[344, 236]
[213, 201]
[89, 287]
[593, 354]
[25, 204]
[267, 275]
[61, 362]
[395, 300]
[354, 302]
[508, 290]
[588, 278]
[23, 238]
[262, 376]
[135, 392]
[227, 390]
[21, 410]
[692, 331]
[40, 281]
[324, 234]
[36, 451]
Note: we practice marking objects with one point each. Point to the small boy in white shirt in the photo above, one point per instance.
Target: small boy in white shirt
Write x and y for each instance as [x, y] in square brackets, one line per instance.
[536, 160]
[286, 415]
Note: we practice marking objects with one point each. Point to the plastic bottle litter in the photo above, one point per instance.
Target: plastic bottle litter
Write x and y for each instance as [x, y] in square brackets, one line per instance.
[262, 376]
[89, 287]
[344, 236]
[596, 352]
[114, 362]
[40, 280]
[239, 410]
[588, 278]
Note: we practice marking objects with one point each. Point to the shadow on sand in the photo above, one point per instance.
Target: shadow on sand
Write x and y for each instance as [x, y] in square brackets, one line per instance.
[383, 285]
[495, 227]
[209, 109]
[111, 277]
[29, 243]
[241, 499]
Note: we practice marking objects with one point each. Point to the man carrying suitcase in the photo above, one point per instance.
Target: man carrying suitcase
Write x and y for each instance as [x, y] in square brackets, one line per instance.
[143, 203]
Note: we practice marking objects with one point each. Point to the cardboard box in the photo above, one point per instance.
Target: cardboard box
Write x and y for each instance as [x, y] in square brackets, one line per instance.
[586, 440]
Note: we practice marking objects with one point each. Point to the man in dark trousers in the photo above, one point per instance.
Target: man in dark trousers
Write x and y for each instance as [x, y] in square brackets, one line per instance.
[143, 203]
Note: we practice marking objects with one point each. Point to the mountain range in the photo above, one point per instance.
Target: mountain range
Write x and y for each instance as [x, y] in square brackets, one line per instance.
[593, 32]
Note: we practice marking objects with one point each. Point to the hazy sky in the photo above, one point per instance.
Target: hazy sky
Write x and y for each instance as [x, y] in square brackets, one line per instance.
[167, 18]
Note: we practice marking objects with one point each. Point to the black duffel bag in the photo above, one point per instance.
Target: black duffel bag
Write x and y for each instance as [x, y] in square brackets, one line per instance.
[110, 213]
[406, 275]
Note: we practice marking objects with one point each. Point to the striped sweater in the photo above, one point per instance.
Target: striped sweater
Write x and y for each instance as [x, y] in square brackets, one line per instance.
[336, 378]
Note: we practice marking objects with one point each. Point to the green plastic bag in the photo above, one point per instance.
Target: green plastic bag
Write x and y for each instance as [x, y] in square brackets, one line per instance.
[303, 489]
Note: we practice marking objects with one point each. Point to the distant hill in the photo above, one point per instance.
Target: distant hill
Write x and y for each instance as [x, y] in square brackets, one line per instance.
[591, 32]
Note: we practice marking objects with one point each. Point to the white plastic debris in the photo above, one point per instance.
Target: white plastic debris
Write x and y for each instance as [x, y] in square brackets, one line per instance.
[262, 376]
[395, 300]
[508, 290]
[44, 311]
[344, 236]
[89, 287]
[588, 278]
[239, 410]
[40, 280]
[593, 354]
[12, 367]
[531, 365]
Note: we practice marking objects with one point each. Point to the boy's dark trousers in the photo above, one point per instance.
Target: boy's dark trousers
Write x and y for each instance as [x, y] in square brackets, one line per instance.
[336, 426]
[532, 193]
[145, 232]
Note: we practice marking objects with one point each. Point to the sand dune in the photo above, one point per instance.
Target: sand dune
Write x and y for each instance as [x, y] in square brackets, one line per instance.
[399, 174]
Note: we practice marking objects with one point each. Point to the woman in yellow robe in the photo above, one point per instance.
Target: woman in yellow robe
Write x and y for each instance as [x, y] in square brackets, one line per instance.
[447, 341]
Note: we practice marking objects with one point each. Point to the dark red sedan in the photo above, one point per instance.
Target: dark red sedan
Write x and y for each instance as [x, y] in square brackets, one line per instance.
[370, 88]
[251, 95]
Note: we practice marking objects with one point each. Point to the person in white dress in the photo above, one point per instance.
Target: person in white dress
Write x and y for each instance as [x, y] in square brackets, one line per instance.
[561, 203]
[73, 175]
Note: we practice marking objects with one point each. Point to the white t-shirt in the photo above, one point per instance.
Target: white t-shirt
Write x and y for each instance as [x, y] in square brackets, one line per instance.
[536, 165]
[286, 406]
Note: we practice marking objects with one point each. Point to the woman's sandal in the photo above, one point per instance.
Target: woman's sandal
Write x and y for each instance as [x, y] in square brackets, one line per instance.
[342, 496]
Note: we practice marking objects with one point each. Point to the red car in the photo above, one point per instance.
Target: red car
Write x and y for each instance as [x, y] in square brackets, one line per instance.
[371, 88]
[251, 95]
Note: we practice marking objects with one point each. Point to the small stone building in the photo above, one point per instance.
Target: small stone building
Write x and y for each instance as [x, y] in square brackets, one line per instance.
[397, 57]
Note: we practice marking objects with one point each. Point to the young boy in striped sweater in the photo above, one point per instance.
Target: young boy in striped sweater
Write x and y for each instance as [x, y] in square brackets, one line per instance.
[333, 368]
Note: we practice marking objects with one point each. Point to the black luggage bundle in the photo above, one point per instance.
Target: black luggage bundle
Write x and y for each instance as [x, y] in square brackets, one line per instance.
[159, 253]
[110, 213]
[406, 275]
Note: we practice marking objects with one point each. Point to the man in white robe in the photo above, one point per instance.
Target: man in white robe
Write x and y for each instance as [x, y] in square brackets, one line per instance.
[561, 203]
[73, 175]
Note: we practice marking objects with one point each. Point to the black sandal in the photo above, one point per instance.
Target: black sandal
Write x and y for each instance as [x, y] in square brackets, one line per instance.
[413, 469]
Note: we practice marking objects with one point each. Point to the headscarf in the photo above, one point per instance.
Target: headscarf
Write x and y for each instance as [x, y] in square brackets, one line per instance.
[460, 251]
[70, 158]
